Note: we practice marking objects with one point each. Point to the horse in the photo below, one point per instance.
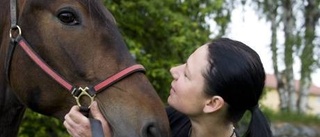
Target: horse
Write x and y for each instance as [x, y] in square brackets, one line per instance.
[59, 53]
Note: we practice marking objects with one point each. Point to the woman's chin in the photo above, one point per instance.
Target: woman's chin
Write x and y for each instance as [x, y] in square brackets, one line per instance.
[169, 100]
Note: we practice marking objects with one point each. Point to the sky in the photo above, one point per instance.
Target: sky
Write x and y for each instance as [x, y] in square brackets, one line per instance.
[248, 28]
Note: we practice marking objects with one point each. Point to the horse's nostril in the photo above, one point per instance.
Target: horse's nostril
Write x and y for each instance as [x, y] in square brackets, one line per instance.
[151, 130]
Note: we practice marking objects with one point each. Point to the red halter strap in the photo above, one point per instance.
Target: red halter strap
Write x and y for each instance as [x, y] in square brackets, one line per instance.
[97, 88]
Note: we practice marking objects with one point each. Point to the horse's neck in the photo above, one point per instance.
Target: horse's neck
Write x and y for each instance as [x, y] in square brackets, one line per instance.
[11, 113]
[4, 20]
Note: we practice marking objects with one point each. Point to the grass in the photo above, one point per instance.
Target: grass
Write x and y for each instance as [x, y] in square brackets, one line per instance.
[280, 117]
[290, 117]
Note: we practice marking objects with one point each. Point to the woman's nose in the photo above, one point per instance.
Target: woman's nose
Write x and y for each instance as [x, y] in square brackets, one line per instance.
[174, 72]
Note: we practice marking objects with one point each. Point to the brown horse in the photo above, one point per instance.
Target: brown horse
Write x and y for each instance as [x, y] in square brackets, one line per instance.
[65, 46]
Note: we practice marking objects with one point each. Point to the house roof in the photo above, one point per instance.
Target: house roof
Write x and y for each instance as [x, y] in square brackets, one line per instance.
[271, 82]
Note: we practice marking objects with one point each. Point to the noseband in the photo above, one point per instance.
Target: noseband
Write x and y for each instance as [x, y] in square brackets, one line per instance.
[76, 91]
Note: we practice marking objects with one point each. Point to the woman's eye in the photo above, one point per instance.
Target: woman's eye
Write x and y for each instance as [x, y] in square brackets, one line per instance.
[68, 18]
[185, 74]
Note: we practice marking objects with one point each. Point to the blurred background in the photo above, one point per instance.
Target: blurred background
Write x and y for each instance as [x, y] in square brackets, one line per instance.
[285, 33]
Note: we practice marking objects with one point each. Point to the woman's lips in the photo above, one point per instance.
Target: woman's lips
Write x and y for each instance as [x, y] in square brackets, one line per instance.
[172, 89]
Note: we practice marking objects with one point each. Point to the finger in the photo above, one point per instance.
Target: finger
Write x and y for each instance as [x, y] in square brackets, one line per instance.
[69, 128]
[66, 125]
[96, 114]
[69, 121]
[76, 116]
[94, 109]
[75, 129]
[74, 109]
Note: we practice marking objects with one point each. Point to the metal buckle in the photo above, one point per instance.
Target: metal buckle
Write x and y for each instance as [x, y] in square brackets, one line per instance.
[16, 27]
[84, 92]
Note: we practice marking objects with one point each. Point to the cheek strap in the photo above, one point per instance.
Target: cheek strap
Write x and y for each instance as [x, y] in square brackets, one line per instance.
[96, 126]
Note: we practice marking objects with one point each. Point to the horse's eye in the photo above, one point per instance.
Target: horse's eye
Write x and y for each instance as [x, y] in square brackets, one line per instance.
[68, 18]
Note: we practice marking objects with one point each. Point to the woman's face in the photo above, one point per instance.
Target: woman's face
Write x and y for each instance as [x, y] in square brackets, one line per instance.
[186, 94]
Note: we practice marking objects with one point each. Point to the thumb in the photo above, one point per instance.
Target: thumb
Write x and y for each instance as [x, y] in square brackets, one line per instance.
[96, 114]
[94, 109]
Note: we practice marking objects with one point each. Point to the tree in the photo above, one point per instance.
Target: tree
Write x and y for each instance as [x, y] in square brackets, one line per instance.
[163, 33]
[285, 12]
[289, 32]
[269, 10]
[311, 14]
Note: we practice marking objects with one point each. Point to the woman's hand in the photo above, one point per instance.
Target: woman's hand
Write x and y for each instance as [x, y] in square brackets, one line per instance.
[79, 126]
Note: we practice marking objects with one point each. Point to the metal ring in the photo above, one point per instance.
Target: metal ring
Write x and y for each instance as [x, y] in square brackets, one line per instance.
[84, 93]
[16, 27]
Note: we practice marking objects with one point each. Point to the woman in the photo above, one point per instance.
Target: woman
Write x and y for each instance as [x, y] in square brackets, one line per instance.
[219, 82]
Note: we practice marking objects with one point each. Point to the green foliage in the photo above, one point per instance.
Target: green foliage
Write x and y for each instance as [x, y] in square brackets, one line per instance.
[162, 34]
[37, 125]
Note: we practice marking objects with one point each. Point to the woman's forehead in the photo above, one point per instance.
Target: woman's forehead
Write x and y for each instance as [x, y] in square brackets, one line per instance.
[198, 59]
[200, 53]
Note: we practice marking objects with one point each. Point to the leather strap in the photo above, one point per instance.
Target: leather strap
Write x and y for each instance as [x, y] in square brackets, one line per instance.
[97, 88]
[85, 111]
[118, 76]
[13, 12]
[96, 128]
[13, 43]
[44, 66]
[11, 48]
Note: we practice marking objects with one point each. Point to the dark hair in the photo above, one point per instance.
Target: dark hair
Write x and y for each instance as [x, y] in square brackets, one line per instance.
[236, 74]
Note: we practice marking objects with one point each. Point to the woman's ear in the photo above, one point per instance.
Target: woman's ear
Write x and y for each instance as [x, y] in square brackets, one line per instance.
[213, 104]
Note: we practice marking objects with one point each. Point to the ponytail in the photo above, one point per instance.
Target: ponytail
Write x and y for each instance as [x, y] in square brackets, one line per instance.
[259, 125]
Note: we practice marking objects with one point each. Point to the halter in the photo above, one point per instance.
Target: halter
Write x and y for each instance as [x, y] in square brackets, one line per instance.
[76, 91]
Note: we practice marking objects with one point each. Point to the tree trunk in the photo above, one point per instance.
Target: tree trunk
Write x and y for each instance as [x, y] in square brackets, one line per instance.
[271, 16]
[289, 26]
[303, 95]
[307, 60]
[283, 94]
